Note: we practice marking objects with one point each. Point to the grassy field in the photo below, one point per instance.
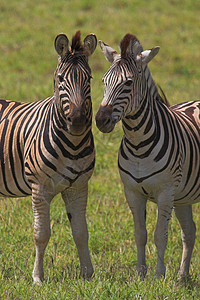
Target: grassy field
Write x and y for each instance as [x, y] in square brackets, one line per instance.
[28, 61]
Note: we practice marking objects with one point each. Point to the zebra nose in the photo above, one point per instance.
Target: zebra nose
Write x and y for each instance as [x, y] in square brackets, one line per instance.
[104, 117]
[77, 117]
[76, 120]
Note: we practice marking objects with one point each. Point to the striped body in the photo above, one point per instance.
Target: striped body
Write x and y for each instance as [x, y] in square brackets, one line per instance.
[35, 147]
[159, 157]
[164, 149]
[46, 148]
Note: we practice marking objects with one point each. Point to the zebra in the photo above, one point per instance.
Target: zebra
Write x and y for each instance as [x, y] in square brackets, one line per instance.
[47, 147]
[159, 157]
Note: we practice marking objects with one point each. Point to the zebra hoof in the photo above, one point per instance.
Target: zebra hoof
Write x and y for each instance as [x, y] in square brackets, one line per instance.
[183, 279]
[37, 280]
[142, 271]
[160, 275]
[87, 274]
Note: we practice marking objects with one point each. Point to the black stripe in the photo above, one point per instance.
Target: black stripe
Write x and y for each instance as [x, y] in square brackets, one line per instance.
[12, 163]
[43, 158]
[165, 144]
[46, 135]
[2, 142]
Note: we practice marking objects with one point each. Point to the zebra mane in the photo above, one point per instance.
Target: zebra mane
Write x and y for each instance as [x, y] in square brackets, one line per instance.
[76, 42]
[130, 43]
[163, 97]
[125, 42]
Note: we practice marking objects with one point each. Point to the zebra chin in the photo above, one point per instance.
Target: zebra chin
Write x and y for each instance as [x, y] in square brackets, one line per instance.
[78, 129]
[106, 128]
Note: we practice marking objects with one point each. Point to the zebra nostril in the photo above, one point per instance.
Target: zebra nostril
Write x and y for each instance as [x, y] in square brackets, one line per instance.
[69, 120]
[107, 121]
[76, 120]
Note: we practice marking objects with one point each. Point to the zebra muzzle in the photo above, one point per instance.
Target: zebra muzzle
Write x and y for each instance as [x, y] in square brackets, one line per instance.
[104, 120]
[76, 120]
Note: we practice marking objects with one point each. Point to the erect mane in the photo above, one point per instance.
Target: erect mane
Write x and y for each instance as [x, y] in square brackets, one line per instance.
[125, 43]
[76, 42]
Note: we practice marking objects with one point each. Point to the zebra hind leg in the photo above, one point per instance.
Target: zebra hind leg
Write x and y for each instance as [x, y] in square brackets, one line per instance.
[41, 210]
[75, 202]
[188, 234]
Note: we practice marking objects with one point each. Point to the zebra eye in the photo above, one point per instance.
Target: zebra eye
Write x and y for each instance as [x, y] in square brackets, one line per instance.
[60, 77]
[128, 82]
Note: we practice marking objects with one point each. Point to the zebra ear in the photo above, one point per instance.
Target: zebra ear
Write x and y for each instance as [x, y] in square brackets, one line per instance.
[147, 55]
[61, 44]
[90, 43]
[134, 47]
[109, 53]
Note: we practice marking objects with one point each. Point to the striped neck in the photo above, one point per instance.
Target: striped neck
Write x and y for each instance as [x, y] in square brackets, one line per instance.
[140, 126]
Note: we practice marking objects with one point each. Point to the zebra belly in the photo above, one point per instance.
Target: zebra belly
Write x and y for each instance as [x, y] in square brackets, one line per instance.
[188, 192]
[60, 183]
[151, 185]
[65, 174]
[148, 187]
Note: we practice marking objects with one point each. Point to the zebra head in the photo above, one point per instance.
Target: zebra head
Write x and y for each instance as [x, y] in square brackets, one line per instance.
[72, 81]
[125, 83]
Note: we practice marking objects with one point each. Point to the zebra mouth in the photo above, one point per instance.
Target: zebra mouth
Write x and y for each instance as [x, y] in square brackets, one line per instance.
[105, 120]
[76, 122]
[76, 130]
[106, 127]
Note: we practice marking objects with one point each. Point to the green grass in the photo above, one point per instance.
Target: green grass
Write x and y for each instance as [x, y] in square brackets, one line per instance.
[28, 61]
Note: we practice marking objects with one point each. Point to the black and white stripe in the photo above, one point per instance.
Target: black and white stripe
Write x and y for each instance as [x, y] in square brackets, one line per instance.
[47, 147]
[159, 157]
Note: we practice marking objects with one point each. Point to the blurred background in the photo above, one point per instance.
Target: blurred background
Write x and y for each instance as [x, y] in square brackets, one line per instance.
[27, 63]
[28, 29]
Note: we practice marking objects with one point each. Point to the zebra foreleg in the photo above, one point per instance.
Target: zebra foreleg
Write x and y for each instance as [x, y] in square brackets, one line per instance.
[137, 204]
[161, 233]
[188, 234]
[41, 210]
[76, 202]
